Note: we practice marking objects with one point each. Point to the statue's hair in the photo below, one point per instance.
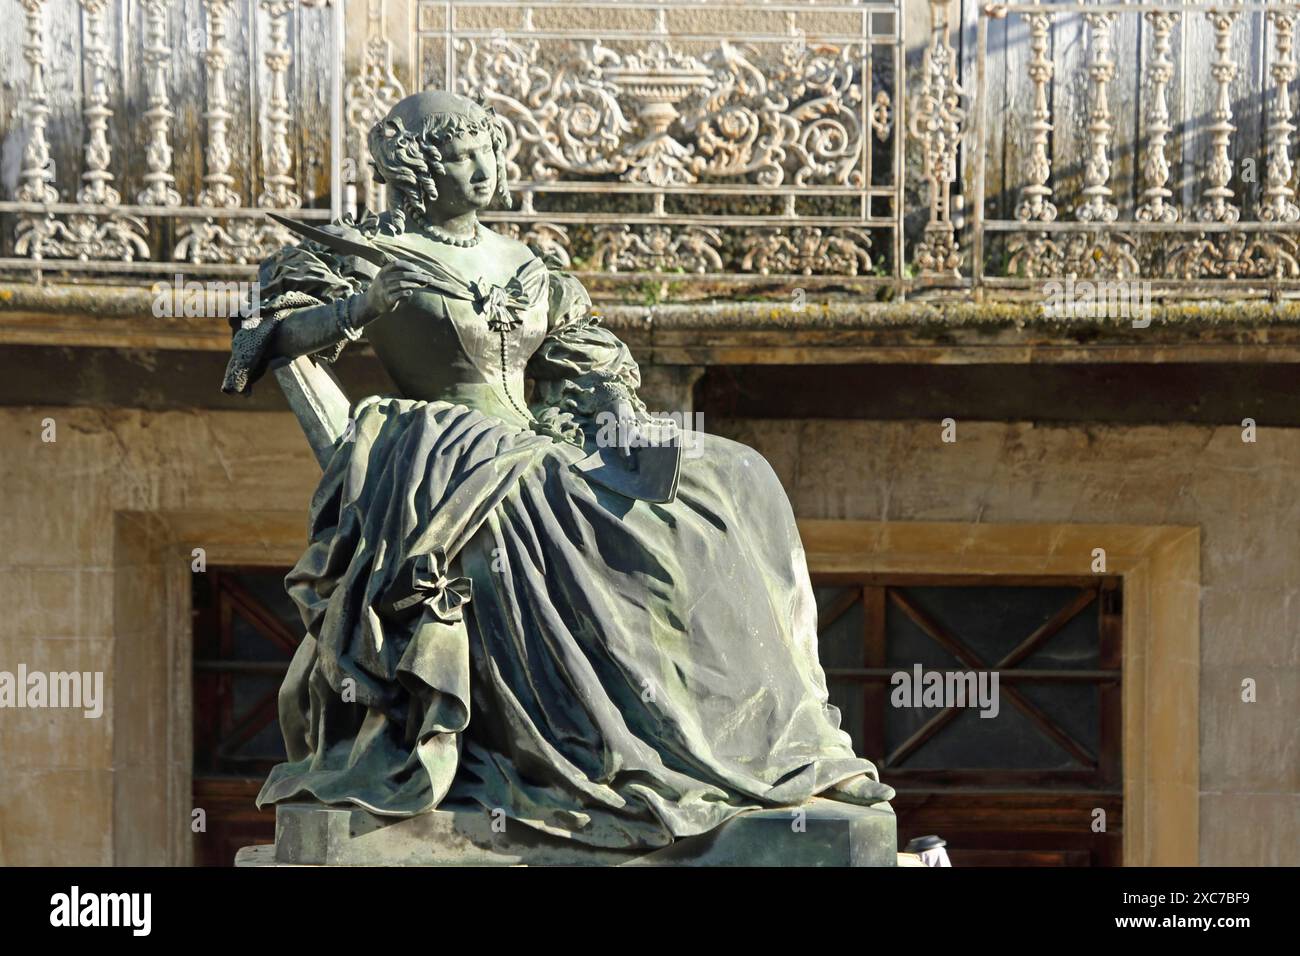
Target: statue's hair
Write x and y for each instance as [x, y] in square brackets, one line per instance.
[405, 160]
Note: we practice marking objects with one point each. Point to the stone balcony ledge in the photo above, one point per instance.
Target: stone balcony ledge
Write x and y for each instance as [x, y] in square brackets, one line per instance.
[951, 329]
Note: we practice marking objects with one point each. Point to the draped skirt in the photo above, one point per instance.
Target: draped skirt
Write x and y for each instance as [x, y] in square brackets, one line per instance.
[482, 624]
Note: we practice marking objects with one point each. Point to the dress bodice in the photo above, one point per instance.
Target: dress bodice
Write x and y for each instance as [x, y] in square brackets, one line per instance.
[466, 341]
[489, 315]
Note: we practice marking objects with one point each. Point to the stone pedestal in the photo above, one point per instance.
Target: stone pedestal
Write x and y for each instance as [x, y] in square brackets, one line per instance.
[822, 833]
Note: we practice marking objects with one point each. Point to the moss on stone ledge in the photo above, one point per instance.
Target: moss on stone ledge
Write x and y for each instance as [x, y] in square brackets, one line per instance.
[931, 317]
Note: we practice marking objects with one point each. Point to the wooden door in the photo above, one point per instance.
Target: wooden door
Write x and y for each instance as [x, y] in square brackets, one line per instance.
[1020, 789]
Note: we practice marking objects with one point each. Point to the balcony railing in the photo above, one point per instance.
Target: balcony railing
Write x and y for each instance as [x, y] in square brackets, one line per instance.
[154, 135]
[697, 140]
[719, 145]
[711, 140]
[1134, 141]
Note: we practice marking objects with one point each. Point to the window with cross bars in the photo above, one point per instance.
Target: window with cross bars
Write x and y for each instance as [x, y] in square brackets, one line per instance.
[245, 631]
[1054, 644]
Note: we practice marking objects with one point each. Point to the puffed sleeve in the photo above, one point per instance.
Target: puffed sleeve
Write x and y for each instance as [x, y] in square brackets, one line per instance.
[295, 277]
[581, 369]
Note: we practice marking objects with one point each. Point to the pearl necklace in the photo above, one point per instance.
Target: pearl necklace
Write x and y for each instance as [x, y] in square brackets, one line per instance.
[438, 234]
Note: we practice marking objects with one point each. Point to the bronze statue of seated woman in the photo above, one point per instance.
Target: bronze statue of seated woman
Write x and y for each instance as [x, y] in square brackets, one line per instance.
[486, 621]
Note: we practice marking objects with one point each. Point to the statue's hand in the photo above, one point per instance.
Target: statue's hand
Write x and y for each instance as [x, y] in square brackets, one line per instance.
[391, 286]
[638, 429]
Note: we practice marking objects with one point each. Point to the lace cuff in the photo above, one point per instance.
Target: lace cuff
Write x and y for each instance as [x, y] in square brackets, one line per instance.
[295, 277]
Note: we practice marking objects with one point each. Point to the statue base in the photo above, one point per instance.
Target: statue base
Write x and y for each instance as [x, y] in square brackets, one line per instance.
[827, 833]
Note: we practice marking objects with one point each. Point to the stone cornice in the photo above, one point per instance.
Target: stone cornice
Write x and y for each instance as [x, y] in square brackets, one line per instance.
[951, 330]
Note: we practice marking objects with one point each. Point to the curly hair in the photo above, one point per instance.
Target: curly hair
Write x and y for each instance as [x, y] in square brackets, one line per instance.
[406, 160]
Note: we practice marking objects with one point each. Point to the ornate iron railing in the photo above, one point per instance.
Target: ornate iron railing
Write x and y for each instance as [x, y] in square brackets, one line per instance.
[1145, 142]
[705, 139]
[154, 135]
[726, 144]
[675, 138]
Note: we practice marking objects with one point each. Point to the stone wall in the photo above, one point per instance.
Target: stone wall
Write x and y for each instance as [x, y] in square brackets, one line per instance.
[57, 588]
[60, 576]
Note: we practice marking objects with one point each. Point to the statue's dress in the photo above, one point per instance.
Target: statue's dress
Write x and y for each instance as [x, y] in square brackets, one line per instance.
[485, 624]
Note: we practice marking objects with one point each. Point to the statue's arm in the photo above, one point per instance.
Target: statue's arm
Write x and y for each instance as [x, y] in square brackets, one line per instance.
[581, 370]
[313, 329]
[311, 302]
[297, 285]
[307, 331]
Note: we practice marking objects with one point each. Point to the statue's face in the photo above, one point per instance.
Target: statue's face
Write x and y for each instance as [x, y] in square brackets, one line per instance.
[469, 180]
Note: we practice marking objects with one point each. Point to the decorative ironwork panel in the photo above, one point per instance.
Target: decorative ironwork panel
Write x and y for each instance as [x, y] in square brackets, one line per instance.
[1153, 148]
[711, 140]
[154, 135]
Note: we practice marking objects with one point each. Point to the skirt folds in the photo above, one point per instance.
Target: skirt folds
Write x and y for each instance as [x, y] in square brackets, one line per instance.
[484, 625]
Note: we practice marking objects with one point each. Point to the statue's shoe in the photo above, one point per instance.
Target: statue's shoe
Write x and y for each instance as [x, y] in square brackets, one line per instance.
[861, 790]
